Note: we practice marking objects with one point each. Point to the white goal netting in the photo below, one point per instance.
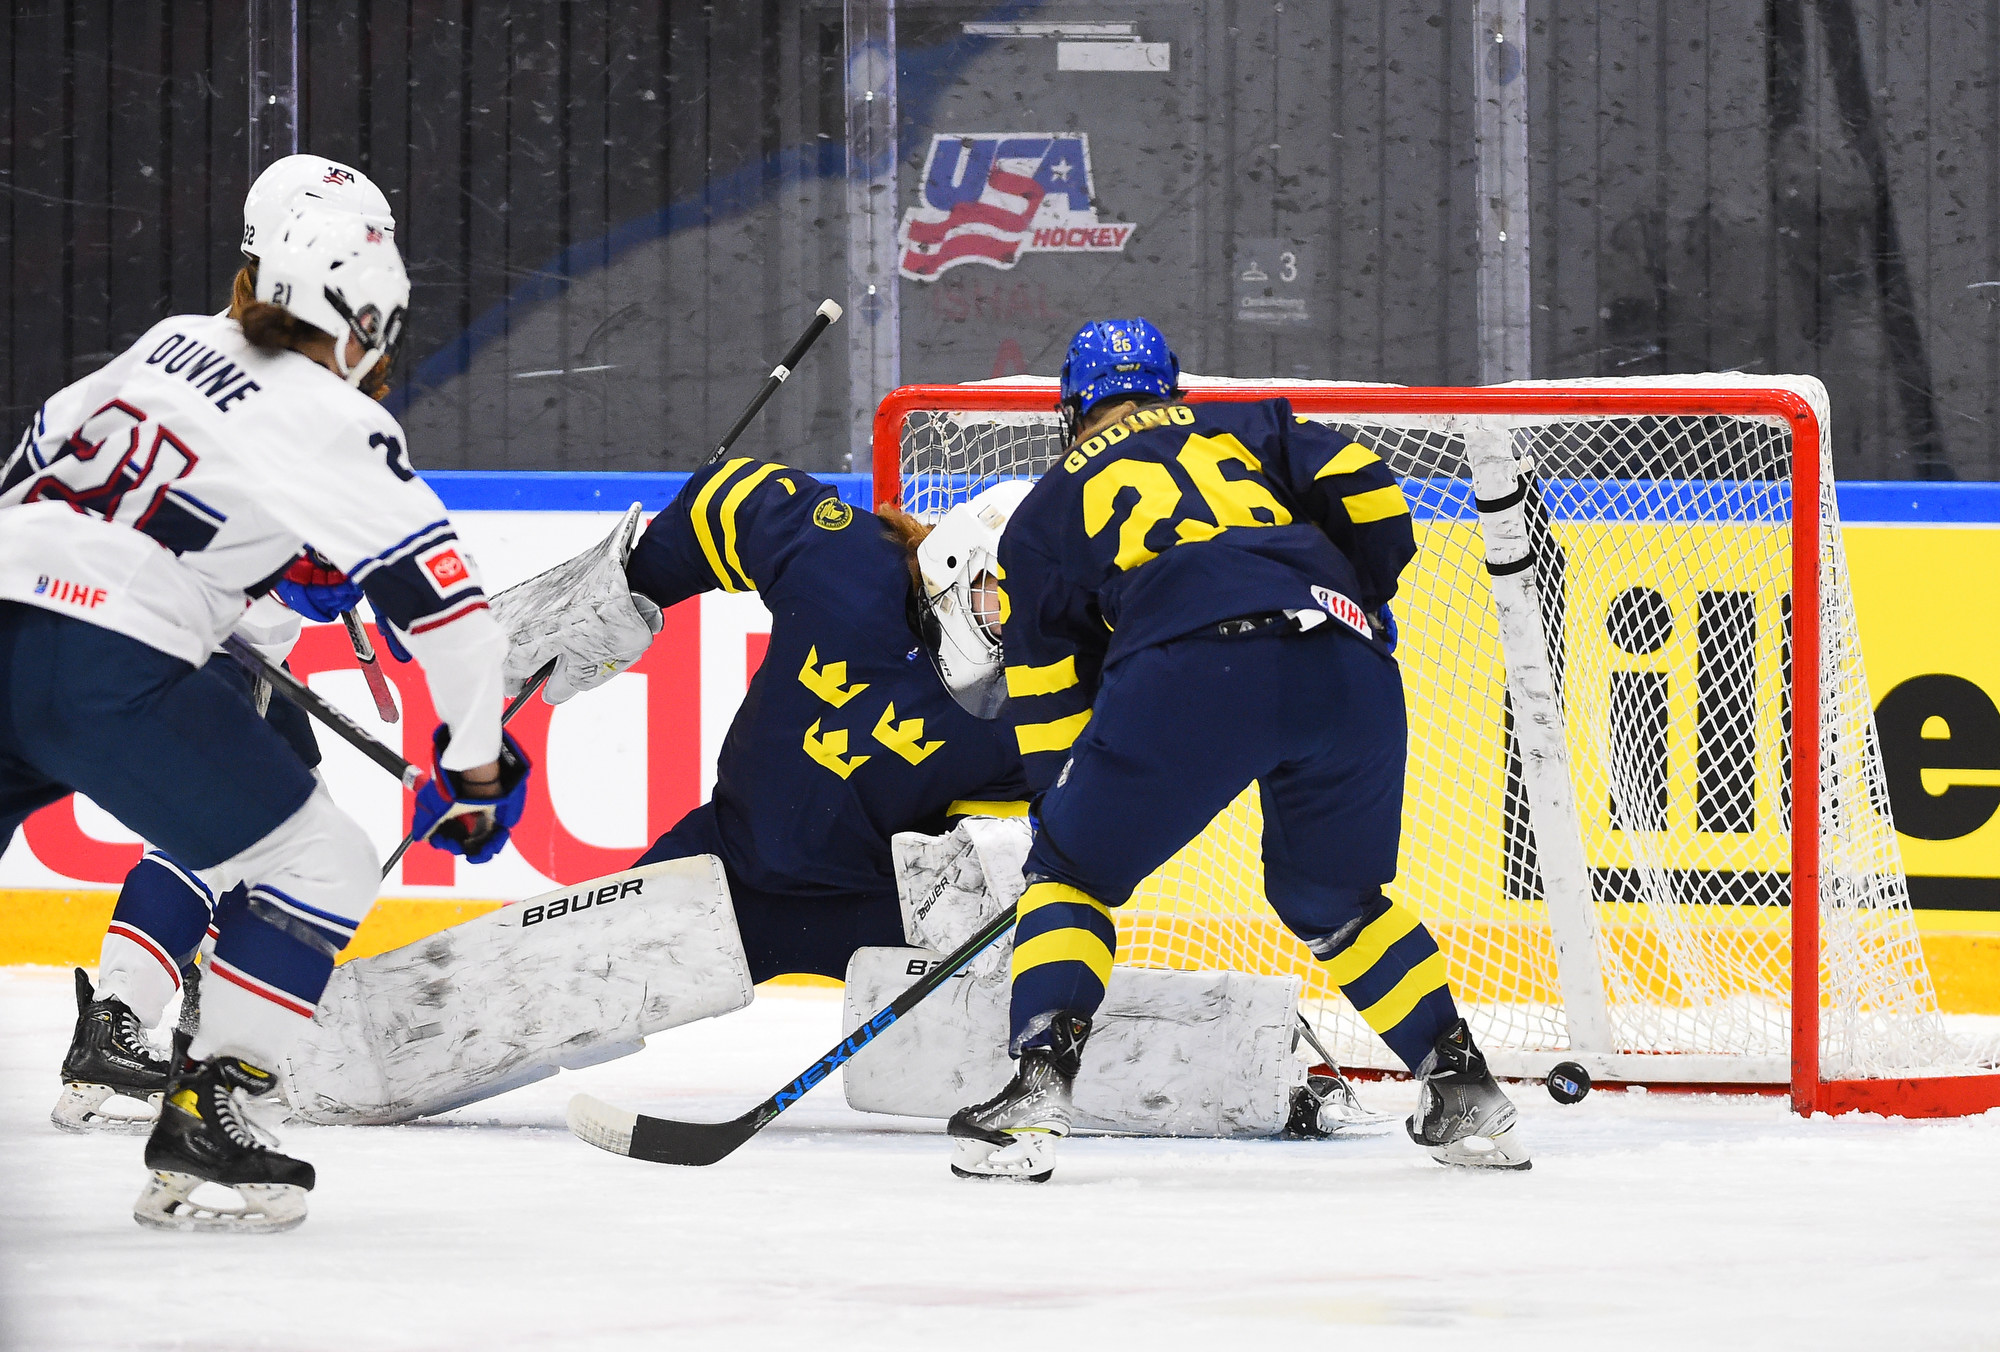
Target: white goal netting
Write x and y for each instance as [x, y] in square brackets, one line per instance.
[1665, 561]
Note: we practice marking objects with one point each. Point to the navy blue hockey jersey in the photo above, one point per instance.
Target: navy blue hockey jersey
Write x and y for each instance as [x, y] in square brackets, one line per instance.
[1176, 517]
[846, 735]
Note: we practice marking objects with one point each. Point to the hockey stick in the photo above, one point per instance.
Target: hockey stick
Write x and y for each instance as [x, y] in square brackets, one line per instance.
[535, 683]
[300, 694]
[827, 314]
[364, 653]
[664, 1141]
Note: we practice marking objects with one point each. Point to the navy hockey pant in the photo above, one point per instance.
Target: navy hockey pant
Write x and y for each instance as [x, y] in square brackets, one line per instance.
[782, 933]
[1177, 731]
[180, 757]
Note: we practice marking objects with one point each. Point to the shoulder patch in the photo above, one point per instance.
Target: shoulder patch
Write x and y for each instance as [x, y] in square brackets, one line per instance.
[832, 514]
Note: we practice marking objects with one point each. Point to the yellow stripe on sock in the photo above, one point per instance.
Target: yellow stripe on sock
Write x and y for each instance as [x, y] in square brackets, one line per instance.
[1048, 894]
[728, 514]
[1376, 505]
[1064, 945]
[1060, 735]
[703, 533]
[1369, 946]
[1393, 1008]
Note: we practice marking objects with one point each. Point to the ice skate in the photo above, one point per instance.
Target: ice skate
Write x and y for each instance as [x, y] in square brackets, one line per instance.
[1013, 1135]
[205, 1148]
[1462, 1116]
[110, 1067]
[1326, 1106]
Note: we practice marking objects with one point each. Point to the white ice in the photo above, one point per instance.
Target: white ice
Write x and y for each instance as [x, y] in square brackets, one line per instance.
[1648, 1221]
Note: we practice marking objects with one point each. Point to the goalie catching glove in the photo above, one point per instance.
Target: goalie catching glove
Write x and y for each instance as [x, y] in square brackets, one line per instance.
[459, 818]
[582, 615]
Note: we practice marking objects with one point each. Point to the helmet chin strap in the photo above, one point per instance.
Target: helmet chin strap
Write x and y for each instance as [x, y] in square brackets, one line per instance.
[361, 368]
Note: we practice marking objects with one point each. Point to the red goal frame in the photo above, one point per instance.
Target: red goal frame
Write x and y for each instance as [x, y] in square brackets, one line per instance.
[1924, 1096]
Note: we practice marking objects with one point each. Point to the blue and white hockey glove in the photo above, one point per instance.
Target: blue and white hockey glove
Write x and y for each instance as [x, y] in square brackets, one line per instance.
[390, 639]
[459, 820]
[316, 589]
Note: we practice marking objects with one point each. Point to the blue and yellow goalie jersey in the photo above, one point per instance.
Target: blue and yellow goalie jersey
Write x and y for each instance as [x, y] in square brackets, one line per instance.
[846, 736]
[1172, 519]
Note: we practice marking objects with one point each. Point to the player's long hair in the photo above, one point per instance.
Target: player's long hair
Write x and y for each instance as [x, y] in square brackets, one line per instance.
[272, 326]
[908, 532]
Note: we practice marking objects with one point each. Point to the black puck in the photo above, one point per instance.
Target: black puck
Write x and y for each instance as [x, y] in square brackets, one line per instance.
[1568, 1082]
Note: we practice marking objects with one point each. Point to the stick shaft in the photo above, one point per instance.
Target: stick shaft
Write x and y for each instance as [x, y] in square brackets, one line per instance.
[344, 727]
[695, 1143]
[535, 683]
[827, 313]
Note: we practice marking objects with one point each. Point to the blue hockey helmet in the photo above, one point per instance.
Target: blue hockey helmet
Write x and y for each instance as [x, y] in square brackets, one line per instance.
[1116, 356]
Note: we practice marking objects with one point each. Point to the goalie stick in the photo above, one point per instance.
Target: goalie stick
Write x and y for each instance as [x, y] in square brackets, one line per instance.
[364, 653]
[664, 1141]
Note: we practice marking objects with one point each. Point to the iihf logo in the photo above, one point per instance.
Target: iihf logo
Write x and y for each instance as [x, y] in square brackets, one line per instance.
[990, 197]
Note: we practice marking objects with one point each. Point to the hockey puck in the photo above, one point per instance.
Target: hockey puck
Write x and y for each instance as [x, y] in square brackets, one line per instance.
[1568, 1082]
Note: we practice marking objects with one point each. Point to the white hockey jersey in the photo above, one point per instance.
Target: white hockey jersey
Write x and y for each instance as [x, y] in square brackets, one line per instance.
[156, 496]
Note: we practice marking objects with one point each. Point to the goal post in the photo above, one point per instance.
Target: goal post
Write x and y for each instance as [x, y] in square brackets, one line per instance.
[1645, 814]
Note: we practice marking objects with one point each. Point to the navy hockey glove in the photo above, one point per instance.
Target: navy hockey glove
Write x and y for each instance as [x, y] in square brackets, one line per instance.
[316, 589]
[459, 820]
[1385, 627]
[390, 640]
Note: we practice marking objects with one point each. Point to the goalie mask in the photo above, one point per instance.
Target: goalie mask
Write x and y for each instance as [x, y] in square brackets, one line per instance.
[340, 273]
[302, 180]
[961, 604]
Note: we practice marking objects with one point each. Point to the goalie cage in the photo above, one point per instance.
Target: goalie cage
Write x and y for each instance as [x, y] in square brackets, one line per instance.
[1610, 822]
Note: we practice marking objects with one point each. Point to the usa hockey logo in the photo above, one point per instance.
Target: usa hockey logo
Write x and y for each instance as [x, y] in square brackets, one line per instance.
[338, 176]
[990, 197]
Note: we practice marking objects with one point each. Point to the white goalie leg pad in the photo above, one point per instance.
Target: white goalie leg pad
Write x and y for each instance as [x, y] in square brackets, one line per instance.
[582, 613]
[950, 885]
[1170, 1053]
[560, 981]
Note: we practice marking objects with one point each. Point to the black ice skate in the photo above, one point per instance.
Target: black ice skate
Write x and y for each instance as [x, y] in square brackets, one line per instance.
[109, 1059]
[1013, 1135]
[1462, 1116]
[205, 1137]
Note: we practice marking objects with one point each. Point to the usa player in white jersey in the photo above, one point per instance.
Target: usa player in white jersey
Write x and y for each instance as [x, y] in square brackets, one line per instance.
[139, 512]
[164, 911]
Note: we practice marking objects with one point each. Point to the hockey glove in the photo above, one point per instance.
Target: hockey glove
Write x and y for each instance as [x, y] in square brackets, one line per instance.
[1385, 627]
[390, 639]
[316, 589]
[458, 819]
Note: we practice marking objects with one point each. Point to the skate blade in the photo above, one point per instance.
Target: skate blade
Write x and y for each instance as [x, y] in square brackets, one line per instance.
[1503, 1150]
[167, 1203]
[1031, 1159]
[81, 1109]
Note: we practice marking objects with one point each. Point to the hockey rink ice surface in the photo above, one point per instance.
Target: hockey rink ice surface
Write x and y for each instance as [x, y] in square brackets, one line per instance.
[1647, 1221]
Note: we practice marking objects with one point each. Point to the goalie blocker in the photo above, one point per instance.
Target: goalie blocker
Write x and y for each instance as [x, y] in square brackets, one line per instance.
[1173, 1053]
[560, 981]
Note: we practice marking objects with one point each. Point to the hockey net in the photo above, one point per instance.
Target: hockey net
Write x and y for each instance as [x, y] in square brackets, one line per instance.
[1685, 546]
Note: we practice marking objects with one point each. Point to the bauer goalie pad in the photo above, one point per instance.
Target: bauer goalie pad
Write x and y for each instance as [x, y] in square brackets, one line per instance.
[1170, 1053]
[559, 981]
[580, 613]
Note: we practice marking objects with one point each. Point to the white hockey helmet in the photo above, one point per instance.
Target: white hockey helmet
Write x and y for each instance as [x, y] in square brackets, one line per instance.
[341, 274]
[299, 179]
[962, 631]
